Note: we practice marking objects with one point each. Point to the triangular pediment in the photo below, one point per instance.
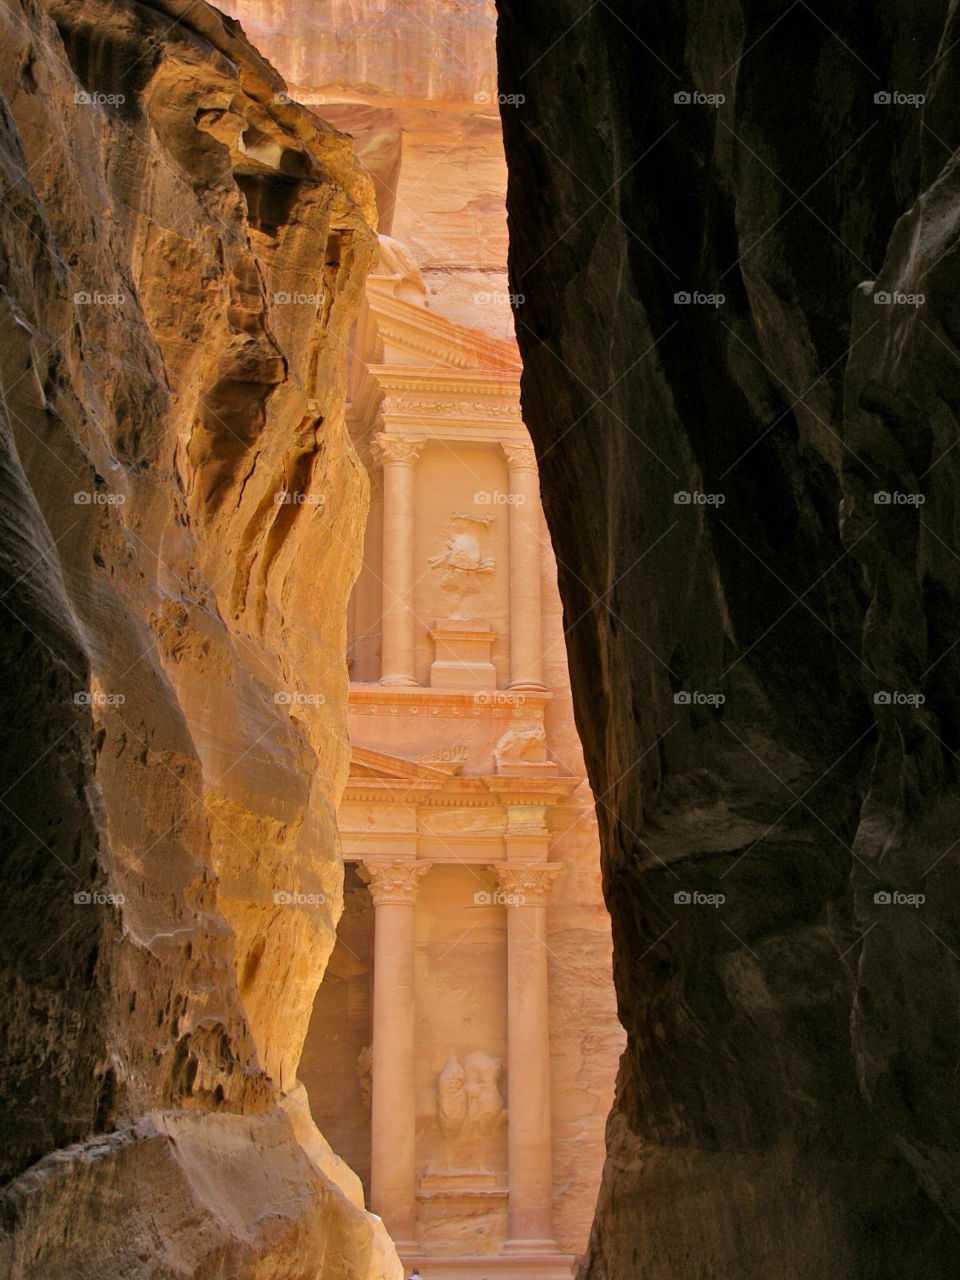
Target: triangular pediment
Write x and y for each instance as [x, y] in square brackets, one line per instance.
[405, 334]
[365, 763]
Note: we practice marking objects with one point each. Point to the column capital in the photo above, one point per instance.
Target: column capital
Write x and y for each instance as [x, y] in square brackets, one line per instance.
[520, 457]
[389, 448]
[394, 881]
[528, 885]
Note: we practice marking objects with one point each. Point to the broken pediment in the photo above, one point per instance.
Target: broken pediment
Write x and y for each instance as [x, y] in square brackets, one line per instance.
[365, 763]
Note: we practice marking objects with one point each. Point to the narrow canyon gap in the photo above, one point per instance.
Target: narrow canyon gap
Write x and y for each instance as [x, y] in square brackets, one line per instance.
[466, 767]
[735, 227]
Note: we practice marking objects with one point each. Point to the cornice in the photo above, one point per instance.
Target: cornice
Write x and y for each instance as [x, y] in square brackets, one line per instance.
[486, 792]
[435, 405]
[377, 699]
[416, 379]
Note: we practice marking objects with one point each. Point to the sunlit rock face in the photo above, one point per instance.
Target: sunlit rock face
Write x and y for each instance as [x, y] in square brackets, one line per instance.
[415, 85]
[182, 511]
[437, 50]
[787, 1103]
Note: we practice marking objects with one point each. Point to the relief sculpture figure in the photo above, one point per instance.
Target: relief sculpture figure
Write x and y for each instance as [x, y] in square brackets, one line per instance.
[463, 561]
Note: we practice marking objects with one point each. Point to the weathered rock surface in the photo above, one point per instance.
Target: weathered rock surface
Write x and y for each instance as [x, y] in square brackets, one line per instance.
[182, 259]
[437, 50]
[786, 1105]
[415, 83]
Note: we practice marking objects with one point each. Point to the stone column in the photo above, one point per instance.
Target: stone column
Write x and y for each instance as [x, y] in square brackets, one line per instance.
[526, 638]
[393, 887]
[530, 1208]
[397, 455]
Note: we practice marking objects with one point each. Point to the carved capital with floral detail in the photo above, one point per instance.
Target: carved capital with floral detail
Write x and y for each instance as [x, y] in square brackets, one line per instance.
[520, 457]
[388, 448]
[527, 886]
[394, 881]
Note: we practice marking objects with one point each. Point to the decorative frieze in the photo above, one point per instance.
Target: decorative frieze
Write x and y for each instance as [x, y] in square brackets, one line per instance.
[474, 410]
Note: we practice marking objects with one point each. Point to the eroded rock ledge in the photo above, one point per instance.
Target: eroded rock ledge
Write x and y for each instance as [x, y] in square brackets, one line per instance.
[181, 516]
[787, 1103]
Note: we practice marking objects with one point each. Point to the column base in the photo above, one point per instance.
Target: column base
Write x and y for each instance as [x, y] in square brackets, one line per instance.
[522, 1248]
[393, 682]
[531, 686]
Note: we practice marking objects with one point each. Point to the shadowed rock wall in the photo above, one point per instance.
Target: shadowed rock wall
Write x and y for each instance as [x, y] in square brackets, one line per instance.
[182, 257]
[753, 502]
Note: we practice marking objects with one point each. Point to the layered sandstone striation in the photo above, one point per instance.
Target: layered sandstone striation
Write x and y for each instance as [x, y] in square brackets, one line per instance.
[183, 253]
[786, 1105]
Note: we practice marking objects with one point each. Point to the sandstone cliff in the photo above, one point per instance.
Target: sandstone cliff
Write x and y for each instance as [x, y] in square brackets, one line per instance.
[183, 253]
[415, 86]
[765, 672]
